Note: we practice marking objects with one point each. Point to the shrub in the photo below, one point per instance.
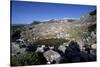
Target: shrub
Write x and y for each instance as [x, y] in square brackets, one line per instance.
[28, 58]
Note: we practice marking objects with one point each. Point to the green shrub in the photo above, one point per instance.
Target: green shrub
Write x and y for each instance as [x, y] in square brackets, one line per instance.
[25, 59]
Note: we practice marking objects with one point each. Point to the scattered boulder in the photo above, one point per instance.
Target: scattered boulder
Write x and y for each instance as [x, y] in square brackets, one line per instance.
[62, 48]
[40, 49]
[51, 47]
[16, 49]
[51, 56]
[74, 46]
[93, 46]
[73, 52]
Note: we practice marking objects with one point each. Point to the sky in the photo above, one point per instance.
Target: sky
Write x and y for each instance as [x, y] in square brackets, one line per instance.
[26, 12]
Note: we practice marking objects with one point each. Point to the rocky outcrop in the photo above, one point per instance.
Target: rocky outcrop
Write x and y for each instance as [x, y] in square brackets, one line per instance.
[51, 56]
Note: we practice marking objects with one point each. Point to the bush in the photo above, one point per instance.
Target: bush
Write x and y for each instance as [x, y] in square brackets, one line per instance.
[26, 59]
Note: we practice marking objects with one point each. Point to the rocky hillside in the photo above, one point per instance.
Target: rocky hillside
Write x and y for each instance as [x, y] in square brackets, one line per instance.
[64, 30]
[69, 29]
[54, 41]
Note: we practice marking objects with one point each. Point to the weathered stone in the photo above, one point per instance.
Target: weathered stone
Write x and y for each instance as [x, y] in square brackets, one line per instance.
[51, 56]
